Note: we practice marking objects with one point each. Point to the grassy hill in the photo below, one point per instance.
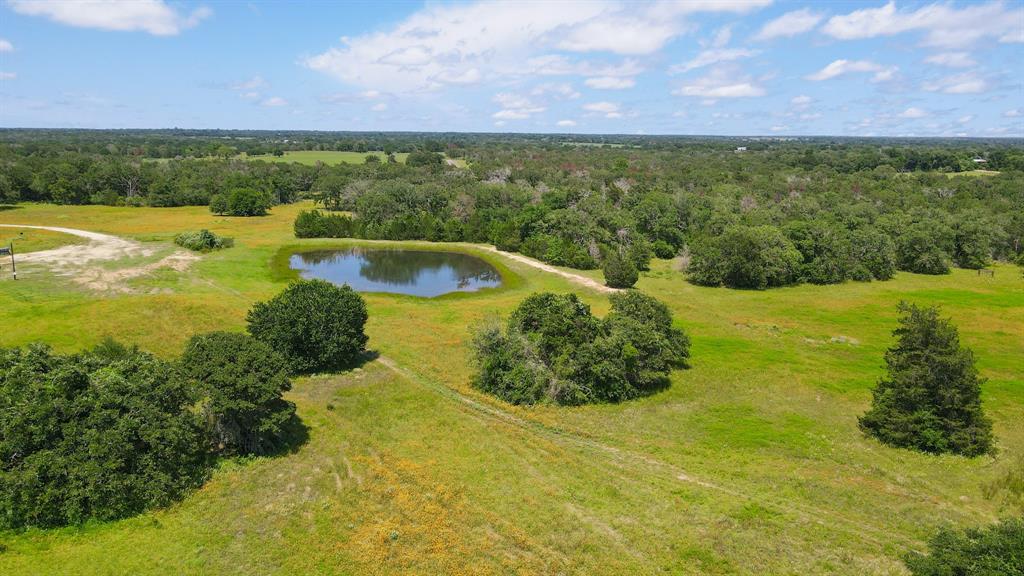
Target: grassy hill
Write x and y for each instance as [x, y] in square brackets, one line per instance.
[751, 462]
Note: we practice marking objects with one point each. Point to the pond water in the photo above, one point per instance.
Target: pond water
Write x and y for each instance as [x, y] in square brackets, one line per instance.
[413, 272]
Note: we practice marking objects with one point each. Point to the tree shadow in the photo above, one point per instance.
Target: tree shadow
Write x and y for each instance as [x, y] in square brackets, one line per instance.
[363, 358]
[294, 435]
[5, 207]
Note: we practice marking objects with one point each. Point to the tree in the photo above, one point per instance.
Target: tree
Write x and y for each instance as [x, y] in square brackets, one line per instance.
[424, 158]
[618, 271]
[973, 243]
[241, 380]
[930, 399]
[247, 202]
[745, 257]
[995, 550]
[920, 248]
[104, 434]
[219, 204]
[314, 324]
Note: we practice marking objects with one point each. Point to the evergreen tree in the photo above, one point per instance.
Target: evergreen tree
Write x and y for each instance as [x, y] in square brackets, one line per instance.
[931, 398]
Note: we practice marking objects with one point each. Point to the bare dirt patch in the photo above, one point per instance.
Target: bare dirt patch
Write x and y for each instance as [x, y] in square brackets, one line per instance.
[83, 264]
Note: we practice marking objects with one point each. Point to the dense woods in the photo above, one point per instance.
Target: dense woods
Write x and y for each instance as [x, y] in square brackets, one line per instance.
[804, 210]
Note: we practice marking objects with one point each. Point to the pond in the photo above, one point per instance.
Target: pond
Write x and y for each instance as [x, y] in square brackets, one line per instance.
[415, 272]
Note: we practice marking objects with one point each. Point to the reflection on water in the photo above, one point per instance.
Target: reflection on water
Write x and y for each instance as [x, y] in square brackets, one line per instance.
[402, 271]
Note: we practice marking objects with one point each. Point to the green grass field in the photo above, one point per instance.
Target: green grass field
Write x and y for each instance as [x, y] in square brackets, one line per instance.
[31, 240]
[750, 463]
[329, 157]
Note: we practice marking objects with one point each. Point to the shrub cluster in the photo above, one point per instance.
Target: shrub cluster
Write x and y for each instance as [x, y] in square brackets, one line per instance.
[317, 224]
[930, 399]
[203, 241]
[995, 549]
[554, 350]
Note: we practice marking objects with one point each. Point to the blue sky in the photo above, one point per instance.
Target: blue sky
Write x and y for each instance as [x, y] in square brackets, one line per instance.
[728, 67]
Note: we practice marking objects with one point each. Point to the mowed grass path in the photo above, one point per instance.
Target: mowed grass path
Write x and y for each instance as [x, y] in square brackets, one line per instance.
[751, 462]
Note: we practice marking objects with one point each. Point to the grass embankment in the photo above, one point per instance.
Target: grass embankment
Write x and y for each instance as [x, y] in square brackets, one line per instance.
[751, 462]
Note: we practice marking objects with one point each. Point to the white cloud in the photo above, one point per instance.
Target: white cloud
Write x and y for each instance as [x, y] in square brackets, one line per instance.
[8, 75]
[1015, 113]
[720, 84]
[6, 46]
[566, 123]
[610, 83]
[515, 107]
[722, 37]
[601, 107]
[966, 83]
[274, 101]
[789, 24]
[379, 107]
[913, 113]
[951, 59]
[943, 24]
[560, 90]
[445, 44]
[250, 95]
[965, 119]
[840, 67]
[152, 16]
[801, 101]
[713, 56]
[253, 83]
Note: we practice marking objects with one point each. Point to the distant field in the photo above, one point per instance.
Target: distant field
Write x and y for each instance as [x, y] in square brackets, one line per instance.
[329, 157]
[974, 173]
[751, 462]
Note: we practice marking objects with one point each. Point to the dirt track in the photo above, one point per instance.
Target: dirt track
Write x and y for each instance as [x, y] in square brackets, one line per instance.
[81, 262]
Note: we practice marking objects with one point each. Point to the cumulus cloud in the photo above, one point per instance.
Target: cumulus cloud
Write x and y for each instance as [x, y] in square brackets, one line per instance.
[274, 102]
[152, 16]
[610, 83]
[254, 83]
[801, 101]
[6, 46]
[951, 59]
[609, 109]
[379, 107]
[840, 67]
[472, 43]
[560, 90]
[713, 56]
[515, 107]
[720, 84]
[566, 123]
[942, 24]
[1014, 113]
[789, 24]
[8, 75]
[966, 83]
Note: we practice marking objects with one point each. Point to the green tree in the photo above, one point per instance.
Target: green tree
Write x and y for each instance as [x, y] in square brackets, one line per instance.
[242, 381]
[745, 257]
[314, 324]
[995, 550]
[618, 271]
[247, 202]
[930, 399]
[219, 204]
[104, 434]
[920, 248]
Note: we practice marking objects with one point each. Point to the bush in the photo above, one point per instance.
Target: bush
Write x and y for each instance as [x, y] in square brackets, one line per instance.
[554, 350]
[203, 241]
[424, 158]
[663, 250]
[618, 271]
[745, 257]
[931, 398]
[104, 434]
[219, 204]
[316, 224]
[241, 380]
[247, 202]
[314, 324]
[996, 549]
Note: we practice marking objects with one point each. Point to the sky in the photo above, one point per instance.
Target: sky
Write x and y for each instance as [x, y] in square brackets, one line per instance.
[720, 67]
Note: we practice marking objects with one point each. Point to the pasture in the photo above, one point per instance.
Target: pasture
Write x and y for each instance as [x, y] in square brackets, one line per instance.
[751, 462]
[329, 157]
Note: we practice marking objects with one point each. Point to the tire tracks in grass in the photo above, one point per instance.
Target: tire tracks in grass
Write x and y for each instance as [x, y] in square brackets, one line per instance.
[880, 537]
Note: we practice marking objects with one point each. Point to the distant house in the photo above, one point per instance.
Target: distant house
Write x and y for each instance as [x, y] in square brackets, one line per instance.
[741, 148]
[980, 161]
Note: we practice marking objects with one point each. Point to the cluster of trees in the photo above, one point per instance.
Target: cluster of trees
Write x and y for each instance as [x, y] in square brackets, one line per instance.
[997, 549]
[553, 350]
[113, 431]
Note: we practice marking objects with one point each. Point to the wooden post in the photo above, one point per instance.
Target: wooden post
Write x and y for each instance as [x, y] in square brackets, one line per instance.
[14, 268]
